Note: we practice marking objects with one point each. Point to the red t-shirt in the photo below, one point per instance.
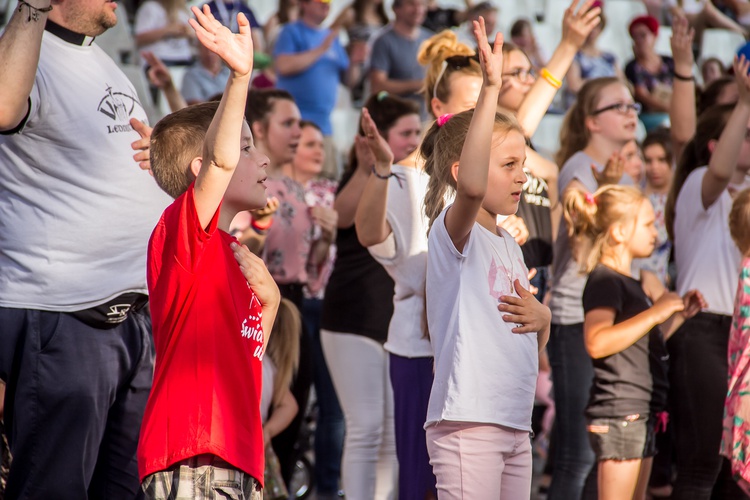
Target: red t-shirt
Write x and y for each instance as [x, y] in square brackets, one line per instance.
[208, 335]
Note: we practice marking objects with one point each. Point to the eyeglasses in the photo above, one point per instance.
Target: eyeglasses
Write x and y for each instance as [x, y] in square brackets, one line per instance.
[455, 62]
[620, 107]
[521, 74]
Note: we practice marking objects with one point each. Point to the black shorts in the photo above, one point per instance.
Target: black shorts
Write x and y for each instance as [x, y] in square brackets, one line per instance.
[622, 438]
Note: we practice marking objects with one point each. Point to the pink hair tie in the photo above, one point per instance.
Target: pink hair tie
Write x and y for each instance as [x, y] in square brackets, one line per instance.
[443, 119]
[590, 199]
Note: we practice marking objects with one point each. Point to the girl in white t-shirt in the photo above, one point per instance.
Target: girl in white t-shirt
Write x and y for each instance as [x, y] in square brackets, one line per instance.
[485, 327]
[713, 167]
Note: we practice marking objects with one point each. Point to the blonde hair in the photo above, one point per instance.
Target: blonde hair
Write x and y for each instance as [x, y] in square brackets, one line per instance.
[433, 53]
[590, 216]
[283, 346]
[739, 221]
[441, 148]
[574, 134]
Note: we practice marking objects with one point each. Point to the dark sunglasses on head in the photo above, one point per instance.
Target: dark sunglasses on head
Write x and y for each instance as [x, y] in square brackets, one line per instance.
[455, 62]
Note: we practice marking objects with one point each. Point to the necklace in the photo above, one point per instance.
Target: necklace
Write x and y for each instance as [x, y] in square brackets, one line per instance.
[509, 272]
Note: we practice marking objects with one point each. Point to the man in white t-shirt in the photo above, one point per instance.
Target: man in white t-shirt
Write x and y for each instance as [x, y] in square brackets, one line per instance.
[75, 218]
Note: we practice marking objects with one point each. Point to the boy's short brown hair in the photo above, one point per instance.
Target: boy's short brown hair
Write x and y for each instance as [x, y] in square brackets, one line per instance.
[175, 141]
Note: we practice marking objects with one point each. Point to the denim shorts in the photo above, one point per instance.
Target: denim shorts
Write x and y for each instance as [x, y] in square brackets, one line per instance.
[622, 438]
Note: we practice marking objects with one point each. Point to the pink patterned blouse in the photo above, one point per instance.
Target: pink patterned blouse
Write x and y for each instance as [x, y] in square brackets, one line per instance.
[735, 443]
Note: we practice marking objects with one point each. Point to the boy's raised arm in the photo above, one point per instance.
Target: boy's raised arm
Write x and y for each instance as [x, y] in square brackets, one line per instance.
[223, 143]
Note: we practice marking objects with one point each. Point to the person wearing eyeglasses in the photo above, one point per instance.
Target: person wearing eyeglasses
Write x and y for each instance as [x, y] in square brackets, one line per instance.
[601, 122]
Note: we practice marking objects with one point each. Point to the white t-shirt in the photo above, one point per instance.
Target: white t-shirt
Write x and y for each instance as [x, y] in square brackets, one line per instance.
[151, 16]
[76, 212]
[707, 259]
[689, 6]
[266, 393]
[404, 255]
[483, 371]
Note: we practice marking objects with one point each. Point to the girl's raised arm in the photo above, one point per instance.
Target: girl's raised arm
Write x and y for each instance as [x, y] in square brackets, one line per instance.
[723, 163]
[370, 220]
[471, 177]
[577, 24]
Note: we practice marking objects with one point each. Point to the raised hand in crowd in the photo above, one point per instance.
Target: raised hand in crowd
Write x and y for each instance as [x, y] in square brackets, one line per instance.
[612, 171]
[682, 112]
[160, 77]
[578, 24]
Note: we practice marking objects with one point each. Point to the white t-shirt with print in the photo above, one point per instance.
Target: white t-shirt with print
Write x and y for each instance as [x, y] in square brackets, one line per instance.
[707, 258]
[76, 212]
[404, 255]
[483, 371]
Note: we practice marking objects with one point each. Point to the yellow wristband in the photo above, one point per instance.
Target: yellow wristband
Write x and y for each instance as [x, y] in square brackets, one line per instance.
[544, 73]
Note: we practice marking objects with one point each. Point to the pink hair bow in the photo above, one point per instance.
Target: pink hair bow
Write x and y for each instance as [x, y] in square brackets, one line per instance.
[590, 199]
[443, 119]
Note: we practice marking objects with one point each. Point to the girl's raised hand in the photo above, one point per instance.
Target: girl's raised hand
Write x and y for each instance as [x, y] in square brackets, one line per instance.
[236, 50]
[526, 311]
[612, 171]
[741, 67]
[682, 44]
[379, 148]
[694, 303]
[578, 24]
[491, 59]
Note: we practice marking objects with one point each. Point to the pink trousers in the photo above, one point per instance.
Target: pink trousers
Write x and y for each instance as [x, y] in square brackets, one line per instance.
[480, 461]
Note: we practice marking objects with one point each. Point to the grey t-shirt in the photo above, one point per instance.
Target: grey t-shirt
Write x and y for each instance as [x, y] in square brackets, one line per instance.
[200, 85]
[568, 281]
[397, 57]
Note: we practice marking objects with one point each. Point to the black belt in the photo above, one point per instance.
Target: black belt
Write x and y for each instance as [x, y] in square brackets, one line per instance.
[112, 313]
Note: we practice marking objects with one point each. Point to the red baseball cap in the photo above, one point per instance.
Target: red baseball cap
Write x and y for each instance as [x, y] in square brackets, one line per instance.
[649, 21]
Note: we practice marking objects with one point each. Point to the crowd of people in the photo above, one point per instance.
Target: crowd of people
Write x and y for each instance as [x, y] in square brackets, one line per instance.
[460, 304]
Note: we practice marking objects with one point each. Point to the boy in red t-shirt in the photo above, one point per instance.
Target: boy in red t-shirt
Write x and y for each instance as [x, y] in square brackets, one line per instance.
[212, 302]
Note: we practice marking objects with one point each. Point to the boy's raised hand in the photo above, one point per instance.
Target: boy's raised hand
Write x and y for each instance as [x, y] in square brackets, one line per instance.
[491, 59]
[236, 50]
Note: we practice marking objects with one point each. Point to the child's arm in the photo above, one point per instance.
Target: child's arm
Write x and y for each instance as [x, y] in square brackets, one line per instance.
[528, 313]
[222, 145]
[682, 113]
[262, 283]
[282, 414]
[474, 163]
[693, 301]
[348, 198]
[577, 24]
[603, 337]
[370, 220]
[724, 158]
